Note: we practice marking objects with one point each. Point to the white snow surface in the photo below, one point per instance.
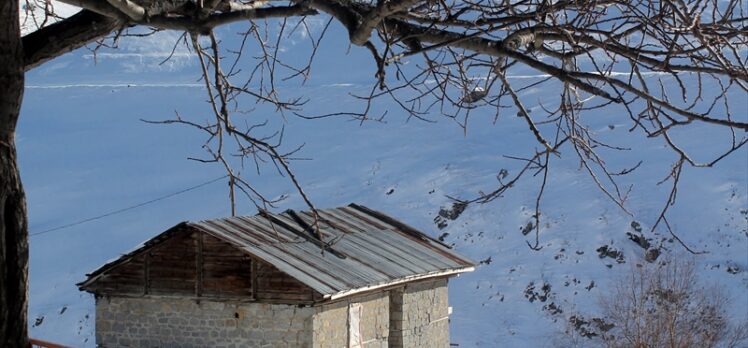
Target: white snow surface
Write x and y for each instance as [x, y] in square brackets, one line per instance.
[84, 151]
[33, 13]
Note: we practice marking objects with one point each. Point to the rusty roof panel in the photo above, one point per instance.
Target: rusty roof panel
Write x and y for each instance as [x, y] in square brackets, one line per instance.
[363, 247]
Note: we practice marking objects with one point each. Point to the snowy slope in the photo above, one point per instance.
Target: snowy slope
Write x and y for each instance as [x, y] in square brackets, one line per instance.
[84, 152]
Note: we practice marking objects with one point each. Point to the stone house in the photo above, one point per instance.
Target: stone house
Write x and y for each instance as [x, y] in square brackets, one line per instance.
[270, 280]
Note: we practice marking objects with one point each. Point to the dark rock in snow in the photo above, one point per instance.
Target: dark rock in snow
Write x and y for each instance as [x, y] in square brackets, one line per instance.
[589, 329]
[651, 255]
[639, 240]
[607, 251]
[38, 322]
[527, 228]
[582, 326]
[602, 324]
[553, 308]
[440, 224]
[531, 294]
[446, 214]
[444, 235]
[454, 212]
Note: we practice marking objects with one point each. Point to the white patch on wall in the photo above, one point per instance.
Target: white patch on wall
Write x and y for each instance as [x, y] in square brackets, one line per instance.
[355, 338]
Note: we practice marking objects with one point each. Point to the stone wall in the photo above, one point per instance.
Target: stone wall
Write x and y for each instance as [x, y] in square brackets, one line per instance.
[330, 325]
[419, 315]
[413, 316]
[173, 322]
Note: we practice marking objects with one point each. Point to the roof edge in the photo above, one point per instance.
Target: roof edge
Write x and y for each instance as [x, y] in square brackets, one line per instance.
[402, 227]
[351, 292]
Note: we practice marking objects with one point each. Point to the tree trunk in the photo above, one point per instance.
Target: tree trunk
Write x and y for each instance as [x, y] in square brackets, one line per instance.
[13, 220]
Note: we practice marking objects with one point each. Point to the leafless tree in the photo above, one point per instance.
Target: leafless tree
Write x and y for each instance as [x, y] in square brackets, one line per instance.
[665, 305]
[462, 55]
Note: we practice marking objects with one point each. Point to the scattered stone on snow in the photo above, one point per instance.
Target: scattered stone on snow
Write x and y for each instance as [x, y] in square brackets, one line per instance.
[531, 294]
[443, 236]
[440, 223]
[589, 329]
[447, 214]
[639, 239]
[38, 321]
[553, 308]
[608, 251]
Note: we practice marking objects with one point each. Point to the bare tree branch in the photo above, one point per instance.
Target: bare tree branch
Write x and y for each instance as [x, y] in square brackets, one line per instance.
[57, 39]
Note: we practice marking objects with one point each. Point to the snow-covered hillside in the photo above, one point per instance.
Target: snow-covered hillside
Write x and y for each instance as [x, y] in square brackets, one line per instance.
[85, 152]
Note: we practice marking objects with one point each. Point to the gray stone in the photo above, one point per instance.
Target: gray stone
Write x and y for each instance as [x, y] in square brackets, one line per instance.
[414, 315]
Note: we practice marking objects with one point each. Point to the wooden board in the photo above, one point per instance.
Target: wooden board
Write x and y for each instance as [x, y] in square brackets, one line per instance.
[192, 263]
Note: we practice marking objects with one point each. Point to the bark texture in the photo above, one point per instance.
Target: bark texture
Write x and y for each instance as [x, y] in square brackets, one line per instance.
[65, 36]
[13, 223]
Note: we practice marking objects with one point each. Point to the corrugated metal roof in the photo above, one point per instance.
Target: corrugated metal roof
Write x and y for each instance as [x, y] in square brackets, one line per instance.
[361, 249]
